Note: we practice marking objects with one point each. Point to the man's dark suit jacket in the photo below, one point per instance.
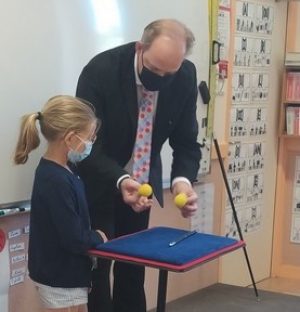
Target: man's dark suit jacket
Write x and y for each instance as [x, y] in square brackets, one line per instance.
[108, 82]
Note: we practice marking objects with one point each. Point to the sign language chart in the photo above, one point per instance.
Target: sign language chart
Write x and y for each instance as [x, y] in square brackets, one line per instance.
[249, 111]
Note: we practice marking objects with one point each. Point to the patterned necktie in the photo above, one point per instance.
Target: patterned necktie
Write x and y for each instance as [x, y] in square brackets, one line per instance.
[142, 148]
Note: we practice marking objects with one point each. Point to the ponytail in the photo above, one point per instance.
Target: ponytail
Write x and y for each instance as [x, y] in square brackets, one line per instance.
[28, 138]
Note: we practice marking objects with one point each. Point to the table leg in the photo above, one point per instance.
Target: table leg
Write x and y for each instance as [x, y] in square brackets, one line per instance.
[162, 291]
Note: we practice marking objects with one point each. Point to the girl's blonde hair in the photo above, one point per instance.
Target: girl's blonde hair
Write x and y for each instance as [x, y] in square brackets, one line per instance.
[60, 115]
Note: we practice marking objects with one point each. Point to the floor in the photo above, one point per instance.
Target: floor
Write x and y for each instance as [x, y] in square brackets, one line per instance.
[222, 297]
[281, 285]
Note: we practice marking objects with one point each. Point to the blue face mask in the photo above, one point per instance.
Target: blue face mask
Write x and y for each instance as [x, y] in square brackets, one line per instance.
[76, 157]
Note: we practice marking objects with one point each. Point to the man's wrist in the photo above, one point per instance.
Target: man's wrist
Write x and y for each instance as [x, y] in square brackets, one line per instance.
[121, 179]
[180, 179]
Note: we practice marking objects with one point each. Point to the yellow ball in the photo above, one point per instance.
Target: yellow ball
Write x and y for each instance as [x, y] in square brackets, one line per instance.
[180, 200]
[145, 190]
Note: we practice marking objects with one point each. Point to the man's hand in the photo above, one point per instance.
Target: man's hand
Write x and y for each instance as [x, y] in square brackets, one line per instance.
[130, 192]
[189, 209]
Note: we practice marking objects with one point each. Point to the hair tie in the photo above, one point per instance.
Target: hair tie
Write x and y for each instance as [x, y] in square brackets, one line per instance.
[39, 116]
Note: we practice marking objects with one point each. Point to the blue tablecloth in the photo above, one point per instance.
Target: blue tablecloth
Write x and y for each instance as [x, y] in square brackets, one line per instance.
[153, 244]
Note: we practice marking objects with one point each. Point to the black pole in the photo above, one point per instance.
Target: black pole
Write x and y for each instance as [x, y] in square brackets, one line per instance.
[162, 291]
[236, 220]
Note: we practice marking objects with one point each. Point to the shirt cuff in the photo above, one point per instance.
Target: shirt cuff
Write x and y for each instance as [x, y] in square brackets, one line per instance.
[123, 177]
[181, 179]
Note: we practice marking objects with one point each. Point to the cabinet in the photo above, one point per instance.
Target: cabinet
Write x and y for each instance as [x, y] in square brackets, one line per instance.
[293, 26]
[289, 116]
[292, 47]
[285, 259]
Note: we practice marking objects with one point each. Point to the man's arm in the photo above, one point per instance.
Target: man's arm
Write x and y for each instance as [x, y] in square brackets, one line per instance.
[183, 140]
[98, 165]
[186, 151]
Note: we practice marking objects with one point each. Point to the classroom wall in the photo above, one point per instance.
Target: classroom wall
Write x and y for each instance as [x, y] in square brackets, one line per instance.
[259, 244]
[17, 292]
[45, 45]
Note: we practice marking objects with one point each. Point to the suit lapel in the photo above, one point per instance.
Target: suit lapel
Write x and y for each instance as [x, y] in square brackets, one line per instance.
[129, 92]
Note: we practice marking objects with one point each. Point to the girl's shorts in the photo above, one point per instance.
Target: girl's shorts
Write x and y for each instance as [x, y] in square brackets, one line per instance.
[56, 297]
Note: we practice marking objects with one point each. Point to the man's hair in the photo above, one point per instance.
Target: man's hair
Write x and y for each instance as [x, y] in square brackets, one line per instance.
[171, 28]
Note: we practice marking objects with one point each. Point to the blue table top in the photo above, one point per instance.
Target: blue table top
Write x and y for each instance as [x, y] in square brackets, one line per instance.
[152, 247]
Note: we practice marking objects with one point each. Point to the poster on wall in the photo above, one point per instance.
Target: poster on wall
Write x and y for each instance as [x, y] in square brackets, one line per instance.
[249, 111]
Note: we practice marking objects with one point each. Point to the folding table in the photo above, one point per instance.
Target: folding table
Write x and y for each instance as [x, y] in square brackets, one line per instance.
[151, 248]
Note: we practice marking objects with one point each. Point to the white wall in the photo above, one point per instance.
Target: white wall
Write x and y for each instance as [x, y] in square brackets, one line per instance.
[45, 45]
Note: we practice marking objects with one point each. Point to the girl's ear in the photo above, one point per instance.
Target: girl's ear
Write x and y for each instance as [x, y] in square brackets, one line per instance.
[68, 138]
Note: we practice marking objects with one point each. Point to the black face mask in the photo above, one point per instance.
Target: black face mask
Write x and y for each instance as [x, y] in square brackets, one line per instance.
[153, 82]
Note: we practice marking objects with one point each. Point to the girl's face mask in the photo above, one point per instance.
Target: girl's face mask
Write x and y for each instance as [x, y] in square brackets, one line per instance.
[75, 156]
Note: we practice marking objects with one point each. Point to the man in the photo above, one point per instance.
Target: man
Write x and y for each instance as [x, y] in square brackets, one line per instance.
[113, 82]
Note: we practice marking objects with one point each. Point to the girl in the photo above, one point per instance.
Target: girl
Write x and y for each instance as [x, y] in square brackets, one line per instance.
[60, 232]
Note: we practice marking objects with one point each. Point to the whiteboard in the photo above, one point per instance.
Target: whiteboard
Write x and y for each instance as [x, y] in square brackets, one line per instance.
[45, 45]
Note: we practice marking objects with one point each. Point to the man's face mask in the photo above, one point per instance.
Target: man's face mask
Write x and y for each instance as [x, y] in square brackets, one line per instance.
[153, 82]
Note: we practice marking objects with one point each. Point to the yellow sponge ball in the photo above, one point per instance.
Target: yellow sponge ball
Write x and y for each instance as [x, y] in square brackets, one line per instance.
[145, 190]
[180, 200]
